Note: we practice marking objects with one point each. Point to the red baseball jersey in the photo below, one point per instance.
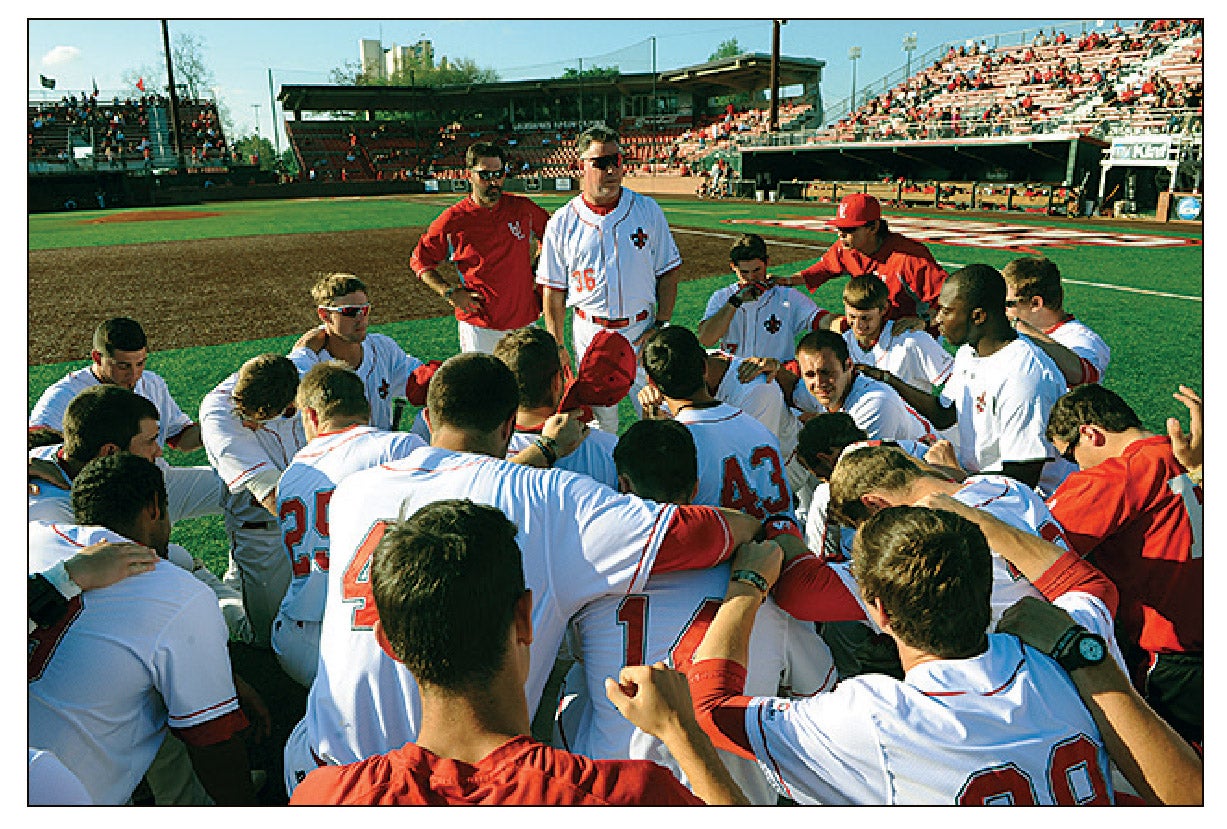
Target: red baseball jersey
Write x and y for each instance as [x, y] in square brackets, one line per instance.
[1140, 518]
[521, 772]
[906, 266]
[492, 250]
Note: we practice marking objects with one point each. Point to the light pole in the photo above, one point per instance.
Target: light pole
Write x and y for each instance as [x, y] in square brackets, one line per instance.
[854, 54]
[256, 116]
[909, 46]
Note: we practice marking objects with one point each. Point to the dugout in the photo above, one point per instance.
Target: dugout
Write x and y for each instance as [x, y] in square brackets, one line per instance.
[960, 163]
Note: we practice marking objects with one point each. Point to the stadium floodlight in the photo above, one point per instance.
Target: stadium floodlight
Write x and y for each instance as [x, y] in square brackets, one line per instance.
[909, 46]
[854, 54]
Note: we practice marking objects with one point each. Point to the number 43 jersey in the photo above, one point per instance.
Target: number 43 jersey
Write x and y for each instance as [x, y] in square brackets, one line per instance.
[739, 462]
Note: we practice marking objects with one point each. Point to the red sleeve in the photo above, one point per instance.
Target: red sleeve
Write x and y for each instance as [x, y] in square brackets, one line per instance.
[818, 318]
[214, 731]
[930, 278]
[716, 687]
[1069, 573]
[810, 591]
[1091, 504]
[538, 218]
[824, 269]
[432, 248]
[419, 381]
[696, 538]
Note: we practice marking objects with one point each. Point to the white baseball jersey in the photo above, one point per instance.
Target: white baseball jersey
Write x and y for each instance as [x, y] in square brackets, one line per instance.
[913, 356]
[875, 407]
[303, 494]
[50, 408]
[740, 466]
[52, 504]
[608, 265]
[665, 623]
[1002, 403]
[1078, 337]
[1006, 726]
[385, 370]
[1018, 505]
[248, 460]
[579, 540]
[593, 457]
[128, 660]
[51, 783]
[763, 400]
[767, 327]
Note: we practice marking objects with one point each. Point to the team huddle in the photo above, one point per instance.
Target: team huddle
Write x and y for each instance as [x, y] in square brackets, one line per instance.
[828, 562]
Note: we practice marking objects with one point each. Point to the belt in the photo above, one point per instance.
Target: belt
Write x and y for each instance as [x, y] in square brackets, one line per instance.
[257, 525]
[605, 322]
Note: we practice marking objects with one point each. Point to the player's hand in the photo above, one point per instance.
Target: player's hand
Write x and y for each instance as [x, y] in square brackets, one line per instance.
[567, 429]
[752, 367]
[467, 301]
[652, 402]
[936, 500]
[655, 698]
[904, 324]
[253, 706]
[1187, 447]
[942, 454]
[313, 340]
[104, 563]
[1036, 622]
[763, 557]
[872, 372]
[41, 469]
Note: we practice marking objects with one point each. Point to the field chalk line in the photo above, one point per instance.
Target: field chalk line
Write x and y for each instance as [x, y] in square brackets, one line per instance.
[950, 265]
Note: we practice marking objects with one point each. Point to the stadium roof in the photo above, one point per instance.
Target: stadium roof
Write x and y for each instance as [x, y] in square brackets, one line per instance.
[746, 72]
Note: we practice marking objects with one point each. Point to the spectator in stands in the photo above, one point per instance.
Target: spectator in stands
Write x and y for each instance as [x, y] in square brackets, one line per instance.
[493, 238]
[867, 245]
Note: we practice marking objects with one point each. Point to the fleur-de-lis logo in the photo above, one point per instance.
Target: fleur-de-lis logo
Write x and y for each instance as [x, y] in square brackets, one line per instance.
[514, 227]
[773, 324]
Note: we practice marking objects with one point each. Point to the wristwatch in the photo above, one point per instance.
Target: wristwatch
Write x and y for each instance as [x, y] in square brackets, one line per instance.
[1079, 648]
[448, 293]
[736, 301]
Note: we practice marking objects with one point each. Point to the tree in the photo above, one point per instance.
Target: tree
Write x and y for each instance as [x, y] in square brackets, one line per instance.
[593, 72]
[727, 49]
[188, 56]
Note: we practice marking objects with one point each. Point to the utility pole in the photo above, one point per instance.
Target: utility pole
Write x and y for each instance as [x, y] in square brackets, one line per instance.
[773, 114]
[272, 108]
[655, 108]
[175, 142]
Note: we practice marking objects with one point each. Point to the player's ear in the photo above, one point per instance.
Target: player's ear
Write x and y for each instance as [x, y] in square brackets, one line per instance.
[523, 617]
[107, 449]
[381, 638]
[322, 314]
[624, 484]
[96, 356]
[875, 502]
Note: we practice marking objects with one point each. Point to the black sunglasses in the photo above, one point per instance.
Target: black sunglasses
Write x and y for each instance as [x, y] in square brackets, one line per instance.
[490, 175]
[1068, 454]
[604, 162]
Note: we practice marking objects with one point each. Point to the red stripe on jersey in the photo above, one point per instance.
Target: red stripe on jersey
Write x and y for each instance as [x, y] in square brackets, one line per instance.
[197, 713]
[55, 529]
[1071, 573]
[696, 537]
[994, 692]
[1090, 374]
[647, 545]
[214, 731]
[250, 469]
[1004, 491]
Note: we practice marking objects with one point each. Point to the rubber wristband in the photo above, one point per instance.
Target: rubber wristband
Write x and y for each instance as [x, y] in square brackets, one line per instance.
[751, 578]
[777, 525]
[548, 450]
[448, 293]
[736, 301]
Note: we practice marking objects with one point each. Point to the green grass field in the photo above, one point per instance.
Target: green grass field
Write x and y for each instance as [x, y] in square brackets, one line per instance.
[1156, 341]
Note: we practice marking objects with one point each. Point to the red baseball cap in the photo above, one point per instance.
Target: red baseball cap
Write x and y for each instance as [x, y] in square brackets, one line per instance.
[856, 209]
[605, 374]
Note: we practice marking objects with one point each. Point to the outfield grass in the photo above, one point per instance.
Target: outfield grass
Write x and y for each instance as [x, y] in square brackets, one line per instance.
[1157, 342]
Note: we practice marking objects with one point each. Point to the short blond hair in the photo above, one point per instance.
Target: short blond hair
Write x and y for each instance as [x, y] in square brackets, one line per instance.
[334, 285]
[865, 470]
[265, 387]
[333, 390]
[867, 292]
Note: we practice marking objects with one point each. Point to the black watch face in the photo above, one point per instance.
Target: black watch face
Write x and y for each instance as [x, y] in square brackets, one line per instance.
[1091, 650]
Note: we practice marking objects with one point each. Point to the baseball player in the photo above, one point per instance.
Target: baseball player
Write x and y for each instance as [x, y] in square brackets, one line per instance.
[534, 359]
[1034, 302]
[1023, 734]
[656, 460]
[119, 351]
[156, 638]
[1001, 386]
[331, 401]
[386, 370]
[867, 245]
[250, 434]
[609, 255]
[739, 459]
[754, 317]
[912, 356]
[362, 701]
[491, 237]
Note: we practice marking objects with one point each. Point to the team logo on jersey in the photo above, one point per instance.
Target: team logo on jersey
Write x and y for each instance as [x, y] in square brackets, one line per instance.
[514, 227]
[773, 324]
[384, 388]
[1000, 235]
[981, 402]
[639, 238]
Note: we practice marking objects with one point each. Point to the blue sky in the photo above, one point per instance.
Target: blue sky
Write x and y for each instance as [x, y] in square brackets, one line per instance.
[241, 52]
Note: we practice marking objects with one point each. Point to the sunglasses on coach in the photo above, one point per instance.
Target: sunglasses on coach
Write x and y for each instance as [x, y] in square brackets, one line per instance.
[490, 175]
[604, 162]
[349, 310]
